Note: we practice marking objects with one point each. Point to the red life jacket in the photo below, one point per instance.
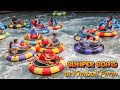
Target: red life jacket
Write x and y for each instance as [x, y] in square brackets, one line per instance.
[33, 36]
[22, 44]
[102, 28]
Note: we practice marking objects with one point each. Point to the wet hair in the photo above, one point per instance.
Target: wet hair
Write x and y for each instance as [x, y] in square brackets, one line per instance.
[88, 36]
[44, 51]
[15, 40]
[83, 27]
[94, 38]
[108, 20]
[10, 44]
[54, 34]
[111, 18]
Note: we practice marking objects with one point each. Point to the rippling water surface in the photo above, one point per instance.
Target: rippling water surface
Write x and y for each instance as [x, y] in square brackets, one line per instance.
[71, 25]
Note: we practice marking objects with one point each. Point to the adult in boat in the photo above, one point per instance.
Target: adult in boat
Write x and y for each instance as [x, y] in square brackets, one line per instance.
[17, 45]
[14, 20]
[53, 41]
[82, 33]
[51, 22]
[48, 58]
[33, 34]
[14, 46]
[1, 31]
[90, 31]
[50, 43]
[41, 26]
[109, 23]
[37, 20]
[87, 41]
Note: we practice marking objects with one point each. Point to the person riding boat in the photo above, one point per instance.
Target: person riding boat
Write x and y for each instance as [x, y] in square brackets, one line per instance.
[36, 24]
[89, 38]
[1, 31]
[16, 44]
[55, 39]
[94, 41]
[37, 20]
[82, 33]
[50, 23]
[55, 22]
[48, 58]
[14, 47]
[109, 24]
[14, 20]
[50, 43]
[90, 31]
[33, 34]
[87, 41]
[41, 26]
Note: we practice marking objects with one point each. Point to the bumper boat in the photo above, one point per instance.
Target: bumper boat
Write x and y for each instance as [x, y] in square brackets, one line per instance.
[108, 33]
[58, 48]
[21, 55]
[104, 31]
[4, 35]
[19, 26]
[31, 41]
[56, 13]
[56, 26]
[39, 68]
[79, 36]
[92, 49]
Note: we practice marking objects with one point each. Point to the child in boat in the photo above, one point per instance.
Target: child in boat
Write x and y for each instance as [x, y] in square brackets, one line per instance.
[10, 45]
[16, 44]
[55, 39]
[94, 41]
[1, 31]
[89, 38]
[48, 58]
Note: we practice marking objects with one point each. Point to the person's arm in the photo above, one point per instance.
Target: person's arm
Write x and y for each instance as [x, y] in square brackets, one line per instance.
[19, 45]
[58, 40]
[111, 22]
[48, 58]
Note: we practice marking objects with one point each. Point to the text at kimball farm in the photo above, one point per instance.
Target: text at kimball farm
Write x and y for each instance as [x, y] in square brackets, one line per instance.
[91, 64]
